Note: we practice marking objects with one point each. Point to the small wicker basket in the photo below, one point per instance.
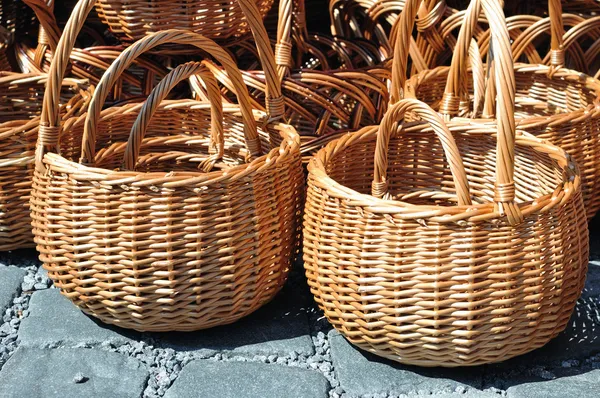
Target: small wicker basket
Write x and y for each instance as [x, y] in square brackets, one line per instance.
[158, 245]
[465, 244]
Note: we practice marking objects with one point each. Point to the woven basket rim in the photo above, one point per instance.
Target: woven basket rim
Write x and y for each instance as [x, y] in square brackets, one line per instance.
[317, 169]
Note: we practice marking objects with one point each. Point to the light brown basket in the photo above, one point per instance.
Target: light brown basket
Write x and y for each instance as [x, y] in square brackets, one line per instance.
[131, 20]
[158, 245]
[554, 103]
[465, 244]
[20, 106]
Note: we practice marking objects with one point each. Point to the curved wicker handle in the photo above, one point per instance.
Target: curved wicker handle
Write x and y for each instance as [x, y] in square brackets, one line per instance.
[456, 85]
[49, 33]
[392, 116]
[504, 86]
[283, 48]
[557, 31]
[275, 102]
[148, 43]
[160, 92]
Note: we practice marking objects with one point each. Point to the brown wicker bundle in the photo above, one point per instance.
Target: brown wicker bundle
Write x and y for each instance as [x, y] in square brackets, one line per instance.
[20, 105]
[134, 233]
[465, 244]
[554, 103]
[133, 19]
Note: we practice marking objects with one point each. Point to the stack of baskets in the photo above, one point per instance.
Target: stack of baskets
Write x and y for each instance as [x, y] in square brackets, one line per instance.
[160, 175]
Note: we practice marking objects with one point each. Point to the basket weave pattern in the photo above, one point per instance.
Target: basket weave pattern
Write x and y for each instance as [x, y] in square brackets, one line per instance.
[132, 20]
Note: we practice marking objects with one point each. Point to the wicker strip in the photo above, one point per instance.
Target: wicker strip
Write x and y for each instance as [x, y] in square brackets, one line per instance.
[161, 245]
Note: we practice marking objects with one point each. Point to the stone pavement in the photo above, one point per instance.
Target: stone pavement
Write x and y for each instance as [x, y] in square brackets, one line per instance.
[48, 348]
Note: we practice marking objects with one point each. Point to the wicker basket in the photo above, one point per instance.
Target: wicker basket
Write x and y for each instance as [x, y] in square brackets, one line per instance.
[132, 19]
[466, 244]
[20, 107]
[552, 103]
[161, 245]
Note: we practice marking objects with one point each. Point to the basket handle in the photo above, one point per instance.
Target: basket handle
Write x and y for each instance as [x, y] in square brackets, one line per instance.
[160, 92]
[148, 43]
[283, 47]
[557, 31]
[500, 57]
[395, 113]
[275, 103]
[49, 129]
[456, 87]
[49, 33]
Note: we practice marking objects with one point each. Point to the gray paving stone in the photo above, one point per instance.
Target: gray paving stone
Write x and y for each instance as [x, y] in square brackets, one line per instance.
[585, 385]
[54, 320]
[68, 372]
[360, 373]
[208, 379]
[281, 327]
[10, 286]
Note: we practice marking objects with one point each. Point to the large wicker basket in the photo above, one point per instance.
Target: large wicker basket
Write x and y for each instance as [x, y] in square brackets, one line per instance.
[133, 19]
[159, 245]
[554, 103]
[465, 244]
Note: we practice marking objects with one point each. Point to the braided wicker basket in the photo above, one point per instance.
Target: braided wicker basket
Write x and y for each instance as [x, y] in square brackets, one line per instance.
[131, 20]
[466, 244]
[158, 245]
[554, 103]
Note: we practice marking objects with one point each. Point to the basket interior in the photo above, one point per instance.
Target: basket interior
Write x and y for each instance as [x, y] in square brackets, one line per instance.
[418, 172]
[177, 139]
